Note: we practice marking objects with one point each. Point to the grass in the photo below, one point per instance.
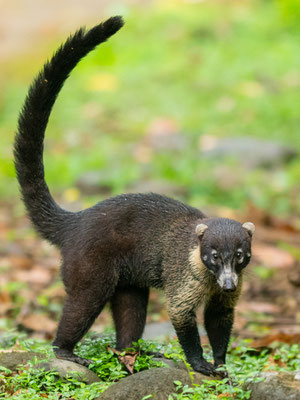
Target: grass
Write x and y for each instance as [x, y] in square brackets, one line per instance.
[211, 69]
[244, 365]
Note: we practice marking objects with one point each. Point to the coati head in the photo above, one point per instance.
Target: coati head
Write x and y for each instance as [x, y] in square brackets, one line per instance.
[225, 248]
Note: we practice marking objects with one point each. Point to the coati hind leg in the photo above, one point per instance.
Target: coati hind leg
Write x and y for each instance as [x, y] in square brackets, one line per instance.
[218, 320]
[81, 308]
[129, 309]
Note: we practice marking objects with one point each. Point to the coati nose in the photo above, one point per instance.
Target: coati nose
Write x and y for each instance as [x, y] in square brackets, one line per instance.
[229, 285]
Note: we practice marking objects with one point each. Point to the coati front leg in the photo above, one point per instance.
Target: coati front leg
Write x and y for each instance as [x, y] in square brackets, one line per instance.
[184, 322]
[129, 309]
[218, 320]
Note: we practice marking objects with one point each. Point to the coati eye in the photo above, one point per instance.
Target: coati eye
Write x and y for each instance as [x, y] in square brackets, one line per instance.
[214, 254]
[239, 253]
[240, 256]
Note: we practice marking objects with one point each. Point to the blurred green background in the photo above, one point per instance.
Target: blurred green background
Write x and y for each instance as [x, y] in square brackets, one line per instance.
[142, 111]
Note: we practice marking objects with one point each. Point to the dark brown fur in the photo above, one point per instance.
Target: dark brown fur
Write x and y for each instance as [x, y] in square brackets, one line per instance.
[115, 251]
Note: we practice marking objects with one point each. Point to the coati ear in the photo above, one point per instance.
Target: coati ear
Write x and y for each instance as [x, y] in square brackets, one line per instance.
[200, 229]
[249, 227]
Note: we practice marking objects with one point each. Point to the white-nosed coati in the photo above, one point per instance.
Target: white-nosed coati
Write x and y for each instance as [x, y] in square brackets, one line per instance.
[115, 251]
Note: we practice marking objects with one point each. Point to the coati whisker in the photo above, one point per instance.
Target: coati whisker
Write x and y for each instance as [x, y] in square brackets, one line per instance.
[119, 248]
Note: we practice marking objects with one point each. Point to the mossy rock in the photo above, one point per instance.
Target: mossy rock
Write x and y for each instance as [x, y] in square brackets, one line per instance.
[283, 385]
[159, 382]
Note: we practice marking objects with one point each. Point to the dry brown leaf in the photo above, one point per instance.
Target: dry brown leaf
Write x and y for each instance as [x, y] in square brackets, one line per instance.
[38, 322]
[5, 297]
[272, 235]
[258, 306]
[226, 395]
[21, 262]
[263, 217]
[56, 291]
[36, 275]
[19, 391]
[273, 362]
[115, 351]
[5, 303]
[128, 359]
[266, 341]
[272, 256]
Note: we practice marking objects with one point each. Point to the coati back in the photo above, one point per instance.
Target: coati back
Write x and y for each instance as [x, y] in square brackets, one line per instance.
[115, 251]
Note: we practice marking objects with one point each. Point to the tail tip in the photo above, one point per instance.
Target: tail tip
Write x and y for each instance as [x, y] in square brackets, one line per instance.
[113, 24]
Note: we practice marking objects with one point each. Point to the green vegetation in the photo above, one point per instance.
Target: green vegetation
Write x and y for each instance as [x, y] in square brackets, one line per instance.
[211, 69]
[244, 364]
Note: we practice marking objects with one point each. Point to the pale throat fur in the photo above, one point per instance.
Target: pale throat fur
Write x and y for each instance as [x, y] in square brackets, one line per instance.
[208, 282]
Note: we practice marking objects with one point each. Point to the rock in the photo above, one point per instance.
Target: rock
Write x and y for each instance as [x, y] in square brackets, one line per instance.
[164, 134]
[161, 330]
[157, 381]
[95, 182]
[171, 363]
[163, 142]
[252, 153]
[67, 368]
[11, 359]
[276, 386]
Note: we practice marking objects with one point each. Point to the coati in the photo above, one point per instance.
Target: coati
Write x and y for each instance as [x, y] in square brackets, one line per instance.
[119, 248]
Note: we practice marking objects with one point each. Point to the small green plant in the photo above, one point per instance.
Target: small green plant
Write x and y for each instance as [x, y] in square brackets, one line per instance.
[106, 364]
[209, 390]
[32, 383]
[244, 365]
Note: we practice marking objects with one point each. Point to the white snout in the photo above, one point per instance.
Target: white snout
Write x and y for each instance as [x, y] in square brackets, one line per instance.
[228, 279]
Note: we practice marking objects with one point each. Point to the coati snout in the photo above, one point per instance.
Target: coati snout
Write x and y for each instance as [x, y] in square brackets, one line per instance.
[225, 247]
[118, 249]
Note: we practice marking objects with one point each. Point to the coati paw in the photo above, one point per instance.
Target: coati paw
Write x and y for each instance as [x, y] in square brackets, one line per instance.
[82, 361]
[205, 368]
[69, 356]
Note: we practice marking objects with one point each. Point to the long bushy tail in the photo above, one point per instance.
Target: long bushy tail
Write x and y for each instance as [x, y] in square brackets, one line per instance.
[48, 218]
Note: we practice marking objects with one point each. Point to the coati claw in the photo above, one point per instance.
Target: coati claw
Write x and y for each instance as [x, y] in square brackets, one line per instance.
[69, 356]
[222, 372]
[82, 361]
